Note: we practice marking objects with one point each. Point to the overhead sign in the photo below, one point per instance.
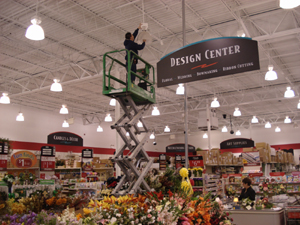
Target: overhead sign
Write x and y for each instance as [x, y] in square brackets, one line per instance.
[23, 159]
[237, 143]
[196, 161]
[87, 159]
[65, 138]
[208, 59]
[179, 148]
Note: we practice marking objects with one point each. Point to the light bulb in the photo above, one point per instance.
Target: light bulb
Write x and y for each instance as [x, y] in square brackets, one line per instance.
[205, 135]
[224, 129]
[254, 120]
[65, 124]
[64, 110]
[152, 136]
[167, 129]
[108, 118]
[56, 87]
[268, 125]
[20, 117]
[289, 4]
[271, 74]
[237, 112]
[215, 103]
[238, 133]
[289, 93]
[127, 134]
[277, 129]
[139, 124]
[180, 89]
[287, 120]
[4, 98]
[113, 102]
[35, 32]
[155, 111]
[99, 129]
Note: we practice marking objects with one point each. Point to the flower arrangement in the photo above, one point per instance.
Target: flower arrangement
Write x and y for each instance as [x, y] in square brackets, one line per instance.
[197, 171]
[218, 216]
[230, 191]
[247, 203]
[9, 179]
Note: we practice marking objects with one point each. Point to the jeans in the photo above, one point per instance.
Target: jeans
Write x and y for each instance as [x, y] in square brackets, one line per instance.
[133, 69]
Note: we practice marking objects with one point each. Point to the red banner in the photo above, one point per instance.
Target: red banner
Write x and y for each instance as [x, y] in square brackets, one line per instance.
[256, 174]
[47, 163]
[3, 162]
[275, 174]
[296, 173]
[196, 163]
[42, 176]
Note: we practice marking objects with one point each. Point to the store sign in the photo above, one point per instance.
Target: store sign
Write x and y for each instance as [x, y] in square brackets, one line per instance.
[3, 162]
[196, 161]
[178, 160]
[276, 174]
[65, 138]
[23, 159]
[208, 59]
[256, 174]
[87, 159]
[179, 148]
[237, 143]
[162, 162]
[47, 182]
[47, 158]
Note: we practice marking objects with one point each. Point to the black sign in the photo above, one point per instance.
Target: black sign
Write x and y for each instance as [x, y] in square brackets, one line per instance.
[162, 162]
[195, 158]
[289, 150]
[87, 153]
[179, 148]
[65, 138]
[237, 143]
[47, 151]
[208, 59]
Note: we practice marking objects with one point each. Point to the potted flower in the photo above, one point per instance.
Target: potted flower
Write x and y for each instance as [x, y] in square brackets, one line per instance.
[247, 203]
[258, 205]
[9, 179]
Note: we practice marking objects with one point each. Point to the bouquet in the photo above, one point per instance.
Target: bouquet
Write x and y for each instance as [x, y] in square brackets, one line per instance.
[230, 191]
[247, 203]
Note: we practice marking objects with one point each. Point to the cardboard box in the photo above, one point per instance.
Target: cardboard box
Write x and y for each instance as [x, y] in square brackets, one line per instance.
[290, 157]
[285, 157]
[280, 156]
[261, 145]
[248, 149]
[265, 155]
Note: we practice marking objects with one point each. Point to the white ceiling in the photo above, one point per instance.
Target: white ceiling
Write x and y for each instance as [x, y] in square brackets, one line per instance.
[79, 32]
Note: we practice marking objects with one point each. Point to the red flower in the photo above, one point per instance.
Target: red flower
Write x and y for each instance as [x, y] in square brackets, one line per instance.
[227, 214]
[170, 193]
[231, 219]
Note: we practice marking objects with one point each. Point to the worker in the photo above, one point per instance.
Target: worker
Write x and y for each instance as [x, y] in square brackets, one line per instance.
[130, 45]
[247, 191]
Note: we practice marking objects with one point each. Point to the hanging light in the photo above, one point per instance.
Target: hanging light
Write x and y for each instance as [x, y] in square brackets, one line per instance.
[155, 111]
[113, 102]
[238, 133]
[4, 98]
[65, 124]
[240, 33]
[289, 4]
[277, 129]
[56, 86]
[289, 93]
[287, 120]
[215, 103]
[271, 74]
[205, 135]
[20, 117]
[167, 129]
[35, 32]
[180, 89]
[64, 110]
[254, 120]
[224, 129]
[99, 129]
[127, 134]
[268, 125]
[237, 112]
[152, 136]
[139, 124]
[108, 118]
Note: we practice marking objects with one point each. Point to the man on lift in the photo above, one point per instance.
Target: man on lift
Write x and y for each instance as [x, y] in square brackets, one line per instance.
[131, 45]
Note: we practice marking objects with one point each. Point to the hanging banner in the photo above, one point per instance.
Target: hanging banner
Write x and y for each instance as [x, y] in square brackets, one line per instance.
[208, 59]
[47, 158]
[87, 159]
[179, 148]
[65, 138]
[178, 160]
[23, 159]
[3, 156]
[237, 143]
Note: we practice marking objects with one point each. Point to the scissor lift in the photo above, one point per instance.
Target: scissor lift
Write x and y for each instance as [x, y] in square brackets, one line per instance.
[134, 101]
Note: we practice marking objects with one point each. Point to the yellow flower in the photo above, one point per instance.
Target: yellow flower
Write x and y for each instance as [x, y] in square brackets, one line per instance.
[184, 172]
[87, 211]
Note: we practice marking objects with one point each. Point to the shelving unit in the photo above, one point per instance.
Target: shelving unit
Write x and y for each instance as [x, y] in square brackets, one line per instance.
[210, 183]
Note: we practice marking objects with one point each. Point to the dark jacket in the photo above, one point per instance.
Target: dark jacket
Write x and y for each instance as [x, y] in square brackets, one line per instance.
[250, 193]
[131, 45]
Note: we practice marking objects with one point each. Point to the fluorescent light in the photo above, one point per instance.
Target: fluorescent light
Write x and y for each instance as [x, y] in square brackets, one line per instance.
[56, 86]
[215, 103]
[237, 112]
[155, 111]
[268, 125]
[35, 32]
[254, 120]
[108, 118]
[289, 4]
[139, 124]
[152, 136]
[167, 129]
[20, 117]
[180, 89]
[64, 110]
[4, 98]
[99, 129]
[112, 102]
[287, 120]
[205, 135]
[277, 129]
[224, 129]
[271, 74]
[127, 134]
[238, 133]
[289, 93]
[65, 124]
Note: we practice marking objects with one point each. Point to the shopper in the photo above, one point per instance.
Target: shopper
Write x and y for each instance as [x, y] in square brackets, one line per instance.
[247, 191]
[130, 45]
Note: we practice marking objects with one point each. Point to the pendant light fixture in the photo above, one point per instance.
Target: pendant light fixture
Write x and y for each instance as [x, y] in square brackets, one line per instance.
[139, 124]
[298, 106]
[108, 118]
[238, 133]
[224, 129]
[155, 111]
[65, 124]
[4, 98]
[152, 136]
[113, 102]
[289, 4]
[287, 120]
[237, 112]
[99, 129]
[35, 32]
[180, 89]
[254, 120]
[127, 134]
[215, 103]
[205, 135]
[277, 129]
[271, 74]
[64, 109]
[20, 117]
[167, 129]
[56, 86]
[268, 125]
[289, 93]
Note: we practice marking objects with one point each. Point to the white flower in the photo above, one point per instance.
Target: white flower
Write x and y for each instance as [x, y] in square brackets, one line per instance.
[118, 215]
[113, 219]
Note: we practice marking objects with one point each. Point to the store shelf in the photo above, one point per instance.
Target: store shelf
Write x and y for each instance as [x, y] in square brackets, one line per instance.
[234, 183]
[197, 186]
[104, 168]
[31, 168]
[74, 168]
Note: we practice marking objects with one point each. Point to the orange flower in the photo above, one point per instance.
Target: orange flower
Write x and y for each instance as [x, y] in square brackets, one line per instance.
[79, 216]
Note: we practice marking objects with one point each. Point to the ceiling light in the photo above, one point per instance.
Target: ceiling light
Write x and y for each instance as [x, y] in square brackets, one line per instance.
[238, 133]
[289, 93]
[205, 135]
[64, 110]
[237, 112]
[215, 103]
[155, 111]
[298, 106]
[254, 120]
[4, 98]
[167, 129]
[35, 31]
[271, 74]
[289, 4]
[65, 124]
[139, 124]
[20, 117]
[152, 136]
[99, 129]
[277, 129]
[56, 86]
[112, 102]
[127, 134]
[287, 120]
[224, 129]
[240, 33]
[180, 89]
[268, 125]
[108, 118]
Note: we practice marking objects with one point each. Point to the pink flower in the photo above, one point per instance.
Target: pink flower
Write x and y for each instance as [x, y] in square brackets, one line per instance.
[184, 218]
[221, 223]
[265, 188]
[186, 223]
[149, 216]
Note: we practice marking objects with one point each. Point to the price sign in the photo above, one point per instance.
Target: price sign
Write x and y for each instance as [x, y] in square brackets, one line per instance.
[23, 159]
[275, 174]
[3, 162]
[162, 162]
[47, 163]
[196, 161]
[42, 176]
[256, 174]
